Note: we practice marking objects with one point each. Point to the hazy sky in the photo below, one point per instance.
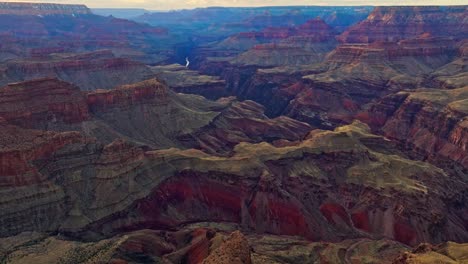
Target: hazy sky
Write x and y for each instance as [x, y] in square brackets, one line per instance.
[178, 4]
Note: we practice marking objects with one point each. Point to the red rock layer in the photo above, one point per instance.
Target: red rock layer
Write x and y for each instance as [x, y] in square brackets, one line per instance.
[20, 148]
[432, 122]
[126, 95]
[423, 46]
[35, 104]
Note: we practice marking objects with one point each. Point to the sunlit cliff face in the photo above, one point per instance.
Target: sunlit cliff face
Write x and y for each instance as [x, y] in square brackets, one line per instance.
[179, 4]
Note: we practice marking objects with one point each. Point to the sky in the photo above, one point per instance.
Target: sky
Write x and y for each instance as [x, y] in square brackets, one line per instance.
[187, 4]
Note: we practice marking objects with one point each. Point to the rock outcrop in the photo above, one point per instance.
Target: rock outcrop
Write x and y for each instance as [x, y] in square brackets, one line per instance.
[443, 253]
[235, 250]
[183, 80]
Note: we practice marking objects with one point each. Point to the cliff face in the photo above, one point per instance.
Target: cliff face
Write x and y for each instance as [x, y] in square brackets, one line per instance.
[7, 8]
[325, 85]
[183, 80]
[89, 71]
[134, 112]
[433, 122]
[42, 103]
[396, 23]
[80, 126]
[332, 92]
[299, 45]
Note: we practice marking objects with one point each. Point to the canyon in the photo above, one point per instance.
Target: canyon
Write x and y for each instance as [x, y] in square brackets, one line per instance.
[294, 135]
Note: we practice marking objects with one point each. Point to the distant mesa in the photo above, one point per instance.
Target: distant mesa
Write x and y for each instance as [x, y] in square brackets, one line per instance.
[10, 8]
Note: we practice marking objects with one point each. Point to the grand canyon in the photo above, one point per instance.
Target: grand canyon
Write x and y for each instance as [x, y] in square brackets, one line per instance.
[284, 134]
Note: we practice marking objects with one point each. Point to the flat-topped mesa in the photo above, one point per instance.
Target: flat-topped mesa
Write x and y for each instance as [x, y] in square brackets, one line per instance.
[183, 80]
[42, 102]
[402, 22]
[16, 8]
[270, 46]
[317, 28]
[127, 95]
[355, 53]
[314, 27]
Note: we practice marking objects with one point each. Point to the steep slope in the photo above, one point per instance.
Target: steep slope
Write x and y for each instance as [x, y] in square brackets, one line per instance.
[146, 113]
[453, 74]
[432, 122]
[184, 80]
[89, 71]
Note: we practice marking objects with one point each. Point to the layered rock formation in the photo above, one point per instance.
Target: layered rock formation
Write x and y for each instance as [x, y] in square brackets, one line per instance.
[402, 22]
[28, 35]
[298, 78]
[183, 80]
[143, 113]
[433, 122]
[42, 104]
[89, 71]
[453, 74]
[304, 44]
[85, 123]
[283, 189]
[332, 92]
[132, 171]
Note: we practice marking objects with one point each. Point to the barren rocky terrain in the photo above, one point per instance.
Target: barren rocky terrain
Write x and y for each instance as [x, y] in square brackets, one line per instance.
[234, 135]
